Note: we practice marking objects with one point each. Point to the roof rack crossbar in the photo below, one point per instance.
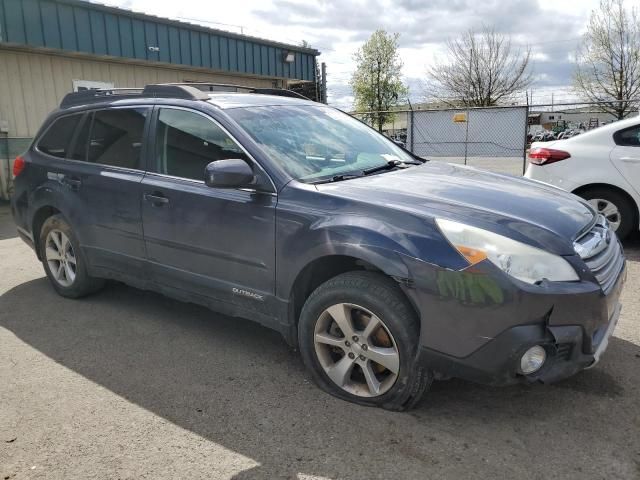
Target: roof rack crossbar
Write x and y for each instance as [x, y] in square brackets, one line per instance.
[185, 91]
[161, 91]
[227, 87]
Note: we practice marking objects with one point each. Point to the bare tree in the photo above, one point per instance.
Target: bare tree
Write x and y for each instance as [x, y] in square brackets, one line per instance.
[608, 61]
[484, 69]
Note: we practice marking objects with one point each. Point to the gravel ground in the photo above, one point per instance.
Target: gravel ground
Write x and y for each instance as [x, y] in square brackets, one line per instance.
[128, 384]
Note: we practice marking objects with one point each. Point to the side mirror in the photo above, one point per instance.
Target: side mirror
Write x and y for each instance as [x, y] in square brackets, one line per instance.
[231, 173]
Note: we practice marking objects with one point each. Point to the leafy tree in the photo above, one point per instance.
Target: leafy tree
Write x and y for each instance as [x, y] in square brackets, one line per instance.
[483, 69]
[608, 61]
[377, 83]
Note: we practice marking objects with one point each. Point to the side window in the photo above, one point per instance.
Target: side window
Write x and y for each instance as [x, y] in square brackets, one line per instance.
[116, 137]
[187, 142]
[629, 137]
[57, 139]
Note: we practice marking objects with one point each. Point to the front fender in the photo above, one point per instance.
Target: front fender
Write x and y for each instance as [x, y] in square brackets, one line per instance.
[385, 246]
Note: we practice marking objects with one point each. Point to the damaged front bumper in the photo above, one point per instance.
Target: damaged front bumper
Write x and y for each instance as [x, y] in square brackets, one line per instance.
[575, 333]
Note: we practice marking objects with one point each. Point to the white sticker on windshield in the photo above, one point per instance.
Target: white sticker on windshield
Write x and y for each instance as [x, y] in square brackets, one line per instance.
[389, 157]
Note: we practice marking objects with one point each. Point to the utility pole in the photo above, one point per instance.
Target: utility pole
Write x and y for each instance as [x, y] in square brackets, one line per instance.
[551, 101]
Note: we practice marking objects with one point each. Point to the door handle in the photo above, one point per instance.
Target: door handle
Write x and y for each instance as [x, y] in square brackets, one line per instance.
[72, 182]
[156, 199]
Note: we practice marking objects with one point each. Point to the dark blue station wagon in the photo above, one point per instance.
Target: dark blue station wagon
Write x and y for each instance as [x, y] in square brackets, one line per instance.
[385, 270]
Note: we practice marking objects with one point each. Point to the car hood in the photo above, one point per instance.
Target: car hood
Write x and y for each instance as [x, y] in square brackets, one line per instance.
[525, 210]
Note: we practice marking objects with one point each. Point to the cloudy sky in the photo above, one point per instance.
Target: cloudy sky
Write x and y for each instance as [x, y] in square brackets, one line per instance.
[338, 27]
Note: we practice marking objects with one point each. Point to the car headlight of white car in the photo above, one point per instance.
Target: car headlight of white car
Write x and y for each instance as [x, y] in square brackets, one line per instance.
[518, 260]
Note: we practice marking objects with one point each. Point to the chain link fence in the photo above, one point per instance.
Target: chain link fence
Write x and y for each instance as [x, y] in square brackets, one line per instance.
[491, 138]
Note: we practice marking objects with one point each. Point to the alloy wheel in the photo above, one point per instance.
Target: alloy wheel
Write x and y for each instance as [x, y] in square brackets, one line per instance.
[60, 258]
[356, 350]
[609, 210]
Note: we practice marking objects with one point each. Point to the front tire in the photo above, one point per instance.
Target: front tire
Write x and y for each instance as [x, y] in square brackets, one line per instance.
[358, 337]
[63, 260]
[614, 206]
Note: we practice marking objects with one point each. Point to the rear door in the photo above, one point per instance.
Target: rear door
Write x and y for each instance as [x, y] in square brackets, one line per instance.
[211, 242]
[626, 155]
[105, 178]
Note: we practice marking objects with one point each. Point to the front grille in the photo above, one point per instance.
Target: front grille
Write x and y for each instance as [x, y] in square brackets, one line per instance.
[602, 252]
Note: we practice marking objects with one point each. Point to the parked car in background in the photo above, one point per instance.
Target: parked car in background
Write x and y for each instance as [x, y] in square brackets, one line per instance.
[384, 270]
[602, 166]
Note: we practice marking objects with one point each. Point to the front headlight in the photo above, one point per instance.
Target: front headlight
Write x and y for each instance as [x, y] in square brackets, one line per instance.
[521, 261]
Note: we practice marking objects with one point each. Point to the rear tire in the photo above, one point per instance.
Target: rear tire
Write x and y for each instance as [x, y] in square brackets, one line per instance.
[616, 208]
[63, 260]
[342, 348]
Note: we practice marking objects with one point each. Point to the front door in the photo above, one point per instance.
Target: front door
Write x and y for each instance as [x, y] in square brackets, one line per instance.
[210, 242]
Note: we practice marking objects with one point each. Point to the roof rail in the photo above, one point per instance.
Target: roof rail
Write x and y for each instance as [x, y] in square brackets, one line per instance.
[185, 91]
[158, 91]
[227, 87]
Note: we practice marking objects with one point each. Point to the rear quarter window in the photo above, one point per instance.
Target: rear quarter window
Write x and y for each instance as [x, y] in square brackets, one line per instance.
[56, 141]
[629, 137]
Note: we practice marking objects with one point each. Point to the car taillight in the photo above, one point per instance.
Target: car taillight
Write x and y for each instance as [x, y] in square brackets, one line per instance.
[545, 156]
[18, 166]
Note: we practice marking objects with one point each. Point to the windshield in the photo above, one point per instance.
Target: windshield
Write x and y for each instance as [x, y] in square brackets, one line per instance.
[312, 143]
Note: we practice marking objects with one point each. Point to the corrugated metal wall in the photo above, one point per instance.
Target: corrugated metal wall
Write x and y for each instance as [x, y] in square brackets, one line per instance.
[32, 84]
[82, 27]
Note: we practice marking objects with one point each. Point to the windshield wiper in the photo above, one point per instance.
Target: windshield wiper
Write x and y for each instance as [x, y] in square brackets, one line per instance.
[390, 165]
[342, 176]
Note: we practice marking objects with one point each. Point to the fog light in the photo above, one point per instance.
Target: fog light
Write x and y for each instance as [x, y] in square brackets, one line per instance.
[532, 360]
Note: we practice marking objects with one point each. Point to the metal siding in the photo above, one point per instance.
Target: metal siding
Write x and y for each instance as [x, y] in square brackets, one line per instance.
[215, 51]
[185, 47]
[98, 33]
[139, 45]
[257, 65]
[264, 59]
[126, 37]
[242, 65]
[14, 20]
[113, 35]
[271, 66]
[249, 67]
[205, 50]
[298, 64]
[278, 53]
[286, 69]
[68, 33]
[50, 27]
[3, 23]
[81, 17]
[151, 40]
[196, 57]
[233, 55]
[94, 29]
[32, 84]
[312, 68]
[174, 45]
[224, 53]
[305, 67]
[33, 23]
[163, 43]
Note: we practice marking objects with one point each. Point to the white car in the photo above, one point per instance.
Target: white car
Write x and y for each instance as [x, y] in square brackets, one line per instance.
[601, 166]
